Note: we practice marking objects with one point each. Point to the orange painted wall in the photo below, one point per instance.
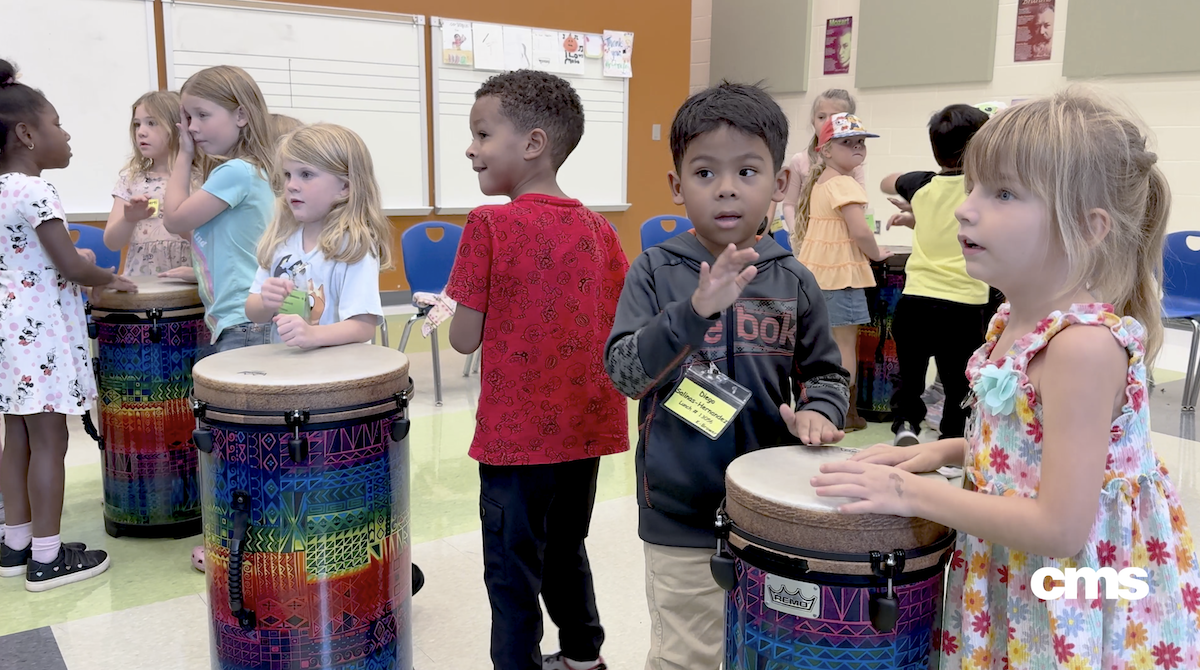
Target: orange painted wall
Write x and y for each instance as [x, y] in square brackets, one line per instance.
[661, 62]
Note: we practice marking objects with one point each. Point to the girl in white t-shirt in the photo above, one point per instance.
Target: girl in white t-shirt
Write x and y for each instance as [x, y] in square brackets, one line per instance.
[318, 279]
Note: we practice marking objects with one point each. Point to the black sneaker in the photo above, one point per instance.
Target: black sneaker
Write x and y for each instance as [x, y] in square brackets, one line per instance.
[418, 579]
[73, 564]
[559, 662]
[906, 436]
[14, 561]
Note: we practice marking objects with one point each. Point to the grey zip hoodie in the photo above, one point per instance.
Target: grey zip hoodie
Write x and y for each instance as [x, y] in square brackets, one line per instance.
[775, 340]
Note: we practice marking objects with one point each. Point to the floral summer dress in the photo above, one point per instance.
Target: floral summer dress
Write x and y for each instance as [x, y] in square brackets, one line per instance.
[44, 361]
[992, 618]
[151, 249]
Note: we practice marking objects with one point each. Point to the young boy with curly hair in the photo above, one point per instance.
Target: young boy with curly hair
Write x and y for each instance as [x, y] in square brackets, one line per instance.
[537, 282]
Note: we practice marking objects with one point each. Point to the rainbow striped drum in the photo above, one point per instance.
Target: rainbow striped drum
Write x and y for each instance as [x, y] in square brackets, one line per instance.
[304, 460]
[146, 344]
[810, 588]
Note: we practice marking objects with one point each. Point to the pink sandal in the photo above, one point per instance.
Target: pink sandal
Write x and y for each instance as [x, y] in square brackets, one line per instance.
[198, 558]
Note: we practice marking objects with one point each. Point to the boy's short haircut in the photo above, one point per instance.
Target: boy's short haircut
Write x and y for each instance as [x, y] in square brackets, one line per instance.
[531, 99]
[951, 129]
[746, 107]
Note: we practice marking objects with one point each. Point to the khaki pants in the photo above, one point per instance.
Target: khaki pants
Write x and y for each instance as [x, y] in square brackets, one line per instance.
[687, 609]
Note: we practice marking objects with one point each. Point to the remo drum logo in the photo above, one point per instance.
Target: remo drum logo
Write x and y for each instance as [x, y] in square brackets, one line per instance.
[1128, 584]
[792, 597]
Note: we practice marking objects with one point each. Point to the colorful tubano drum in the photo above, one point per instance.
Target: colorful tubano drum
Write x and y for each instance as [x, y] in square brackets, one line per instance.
[810, 588]
[146, 344]
[304, 464]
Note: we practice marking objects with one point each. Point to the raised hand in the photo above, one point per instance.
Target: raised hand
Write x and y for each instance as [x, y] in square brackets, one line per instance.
[721, 284]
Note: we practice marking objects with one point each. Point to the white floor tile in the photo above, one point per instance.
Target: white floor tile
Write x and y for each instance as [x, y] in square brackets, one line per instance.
[171, 634]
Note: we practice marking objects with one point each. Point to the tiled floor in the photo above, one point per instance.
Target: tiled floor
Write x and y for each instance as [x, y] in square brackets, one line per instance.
[150, 611]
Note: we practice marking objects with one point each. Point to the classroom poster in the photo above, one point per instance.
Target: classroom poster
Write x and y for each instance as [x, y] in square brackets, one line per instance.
[593, 46]
[518, 48]
[547, 50]
[456, 43]
[837, 45]
[488, 40]
[1035, 30]
[618, 54]
[571, 61]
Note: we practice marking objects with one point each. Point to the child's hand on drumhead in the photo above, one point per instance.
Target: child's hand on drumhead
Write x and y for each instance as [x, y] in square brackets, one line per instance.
[274, 291]
[878, 489]
[811, 427]
[295, 331]
[918, 458]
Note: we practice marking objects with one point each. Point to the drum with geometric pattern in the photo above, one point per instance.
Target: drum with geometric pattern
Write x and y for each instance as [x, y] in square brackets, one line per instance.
[813, 589]
[304, 464]
[146, 344]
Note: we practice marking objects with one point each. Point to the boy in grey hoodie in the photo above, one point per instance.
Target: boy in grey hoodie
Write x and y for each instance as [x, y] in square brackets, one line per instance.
[722, 295]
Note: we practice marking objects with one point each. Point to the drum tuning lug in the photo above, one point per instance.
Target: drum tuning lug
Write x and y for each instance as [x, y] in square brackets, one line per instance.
[202, 438]
[400, 429]
[723, 570]
[297, 445]
[884, 611]
[155, 329]
[93, 330]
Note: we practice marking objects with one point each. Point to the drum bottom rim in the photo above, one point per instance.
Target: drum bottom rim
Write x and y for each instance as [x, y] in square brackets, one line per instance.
[177, 530]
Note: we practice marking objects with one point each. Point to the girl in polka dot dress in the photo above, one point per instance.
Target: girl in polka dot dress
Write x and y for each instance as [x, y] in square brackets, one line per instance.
[45, 373]
[1066, 215]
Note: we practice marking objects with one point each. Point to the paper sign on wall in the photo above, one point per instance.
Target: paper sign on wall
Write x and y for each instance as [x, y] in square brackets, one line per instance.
[1035, 30]
[593, 46]
[488, 41]
[518, 48]
[547, 50]
[456, 43]
[618, 54]
[571, 61]
[837, 45]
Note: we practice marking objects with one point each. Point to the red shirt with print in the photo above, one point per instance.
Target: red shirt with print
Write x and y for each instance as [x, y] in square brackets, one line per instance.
[547, 273]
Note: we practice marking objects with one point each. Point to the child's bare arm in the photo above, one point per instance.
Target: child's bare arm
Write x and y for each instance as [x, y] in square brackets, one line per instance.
[856, 222]
[466, 329]
[1083, 371]
[888, 185]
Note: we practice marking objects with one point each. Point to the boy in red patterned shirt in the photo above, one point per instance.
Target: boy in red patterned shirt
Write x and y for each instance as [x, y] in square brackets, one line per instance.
[537, 282]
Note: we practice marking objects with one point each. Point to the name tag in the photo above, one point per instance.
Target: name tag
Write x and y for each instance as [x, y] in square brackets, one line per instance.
[707, 400]
[296, 303]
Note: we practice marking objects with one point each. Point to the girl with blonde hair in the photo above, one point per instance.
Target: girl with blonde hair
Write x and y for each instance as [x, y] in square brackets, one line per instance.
[1066, 215]
[136, 219]
[319, 262]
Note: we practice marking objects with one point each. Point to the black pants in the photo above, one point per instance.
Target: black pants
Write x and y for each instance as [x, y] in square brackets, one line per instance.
[535, 519]
[948, 332]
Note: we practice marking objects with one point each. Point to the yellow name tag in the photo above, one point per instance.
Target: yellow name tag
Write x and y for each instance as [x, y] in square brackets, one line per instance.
[154, 205]
[701, 408]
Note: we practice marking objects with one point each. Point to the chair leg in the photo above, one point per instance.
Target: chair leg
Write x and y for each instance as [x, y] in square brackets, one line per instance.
[467, 365]
[437, 371]
[407, 329]
[383, 332]
[1190, 383]
[478, 359]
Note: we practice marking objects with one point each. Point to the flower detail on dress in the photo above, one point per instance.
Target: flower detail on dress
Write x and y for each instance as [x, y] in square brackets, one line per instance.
[996, 388]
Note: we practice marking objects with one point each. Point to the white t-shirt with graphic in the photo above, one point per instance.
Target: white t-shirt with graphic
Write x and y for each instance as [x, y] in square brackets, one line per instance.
[336, 290]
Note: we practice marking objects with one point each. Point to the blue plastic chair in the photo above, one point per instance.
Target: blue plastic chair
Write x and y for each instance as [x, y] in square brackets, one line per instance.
[781, 236]
[654, 233]
[1181, 302]
[90, 237]
[427, 265]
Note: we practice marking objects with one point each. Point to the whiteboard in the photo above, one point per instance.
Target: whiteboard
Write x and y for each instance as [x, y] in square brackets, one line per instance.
[360, 69]
[594, 172]
[92, 59]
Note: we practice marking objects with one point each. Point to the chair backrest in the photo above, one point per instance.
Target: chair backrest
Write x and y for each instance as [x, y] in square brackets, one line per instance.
[1181, 265]
[781, 236]
[90, 237]
[654, 232]
[427, 263]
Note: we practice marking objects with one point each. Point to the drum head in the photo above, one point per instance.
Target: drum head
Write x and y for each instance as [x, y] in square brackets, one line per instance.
[278, 377]
[769, 495]
[152, 292]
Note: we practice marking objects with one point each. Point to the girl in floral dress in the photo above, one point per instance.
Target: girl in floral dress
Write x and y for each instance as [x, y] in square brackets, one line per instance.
[136, 219]
[1066, 216]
